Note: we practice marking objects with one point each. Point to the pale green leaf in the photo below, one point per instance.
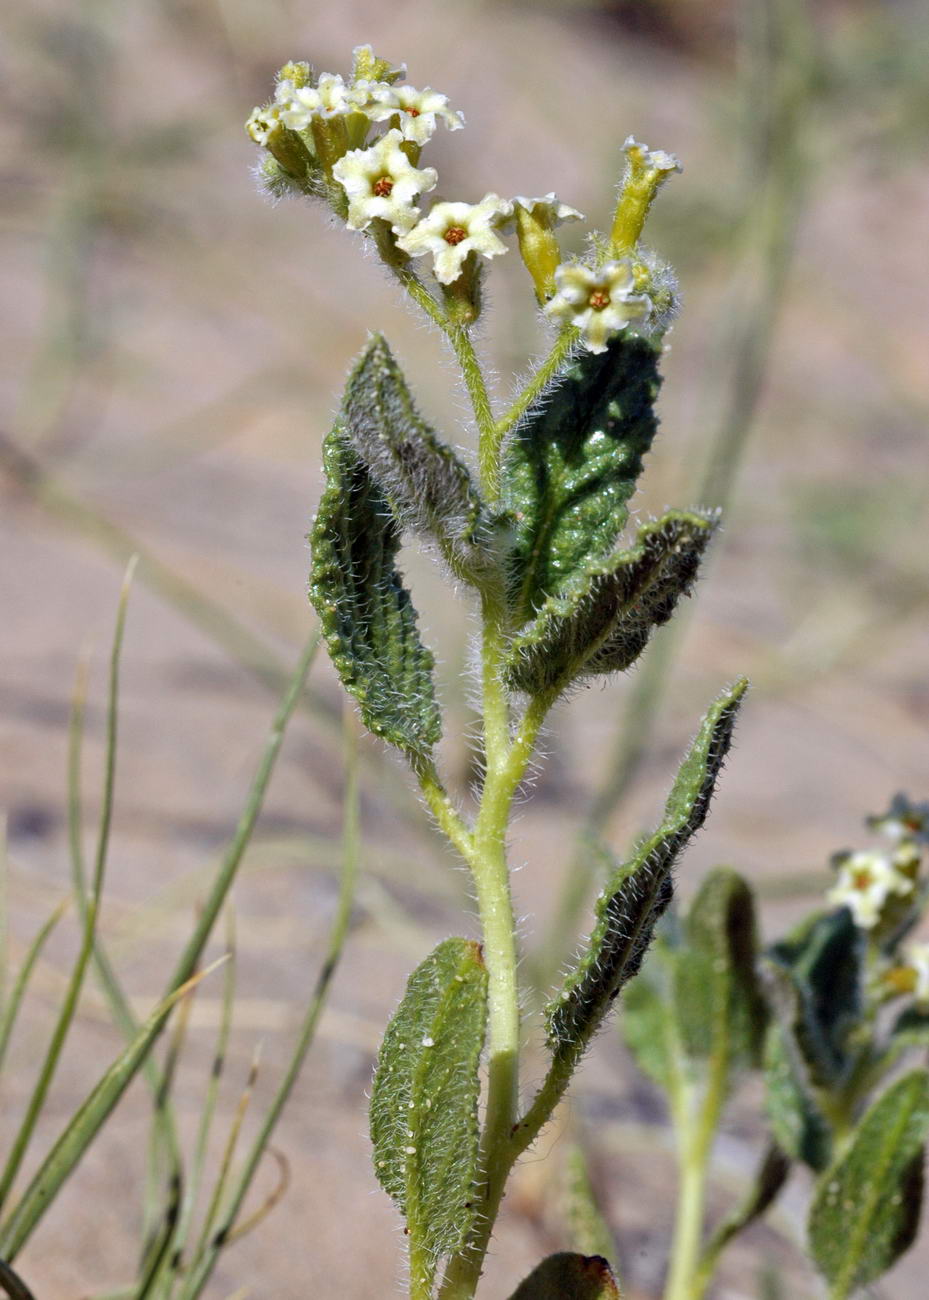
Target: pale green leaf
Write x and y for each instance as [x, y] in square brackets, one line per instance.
[365, 611]
[639, 891]
[424, 1098]
[866, 1208]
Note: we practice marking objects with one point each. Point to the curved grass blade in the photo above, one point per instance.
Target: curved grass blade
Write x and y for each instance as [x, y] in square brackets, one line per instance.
[21, 983]
[866, 1208]
[26, 1127]
[365, 611]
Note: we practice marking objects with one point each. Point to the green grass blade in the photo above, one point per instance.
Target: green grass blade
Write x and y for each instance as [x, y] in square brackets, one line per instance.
[21, 983]
[83, 1127]
[13, 1284]
[201, 1269]
[69, 1005]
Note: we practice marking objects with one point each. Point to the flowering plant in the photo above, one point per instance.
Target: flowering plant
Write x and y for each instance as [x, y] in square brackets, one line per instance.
[532, 535]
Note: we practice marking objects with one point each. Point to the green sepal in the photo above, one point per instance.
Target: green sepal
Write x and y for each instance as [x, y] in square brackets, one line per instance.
[572, 465]
[720, 1007]
[601, 619]
[640, 890]
[428, 487]
[567, 1276]
[424, 1098]
[866, 1208]
[366, 613]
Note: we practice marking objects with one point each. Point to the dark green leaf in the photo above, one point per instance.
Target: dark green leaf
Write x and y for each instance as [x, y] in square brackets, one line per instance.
[865, 1211]
[428, 487]
[569, 1277]
[366, 613]
[640, 890]
[720, 1006]
[769, 1182]
[425, 1094]
[797, 1122]
[824, 960]
[572, 465]
[601, 619]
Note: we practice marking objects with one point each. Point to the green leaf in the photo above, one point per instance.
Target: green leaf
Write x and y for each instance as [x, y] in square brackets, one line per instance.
[824, 961]
[640, 890]
[424, 1098]
[601, 619]
[865, 1211]
[366, 613]
[796, 1119]
[769, 1181]
[648, 1021]
[567, 1276]
[719, 1002]
[427, 485]
[572, 466]
[585, 1222]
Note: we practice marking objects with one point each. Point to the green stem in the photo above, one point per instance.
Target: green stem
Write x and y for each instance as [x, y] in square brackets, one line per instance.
[536, 386]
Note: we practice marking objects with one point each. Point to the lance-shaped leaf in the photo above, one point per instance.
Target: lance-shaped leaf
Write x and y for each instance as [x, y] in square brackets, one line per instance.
[427, 485]
[572, 466]
[721, 1011]
[865, 1211]
[567, 1276]
[792, 1101]
[640, 890]
[424, 1099]
[366, 613]
[769, 1182]
[600, 622]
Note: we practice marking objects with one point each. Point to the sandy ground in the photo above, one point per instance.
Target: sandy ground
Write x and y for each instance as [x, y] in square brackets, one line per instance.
[173, 347]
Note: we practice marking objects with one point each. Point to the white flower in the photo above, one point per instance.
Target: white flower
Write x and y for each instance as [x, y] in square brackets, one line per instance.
[640, 156]
[417, 111]
[261, 122]
[866, 881]
[600, 303]
[453, 230]
[382, 182]
[917, 955]
[299, 105]
[548, 211]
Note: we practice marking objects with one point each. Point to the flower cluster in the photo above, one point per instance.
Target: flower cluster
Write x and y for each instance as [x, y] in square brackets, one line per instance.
[321, 134]
[868, 882]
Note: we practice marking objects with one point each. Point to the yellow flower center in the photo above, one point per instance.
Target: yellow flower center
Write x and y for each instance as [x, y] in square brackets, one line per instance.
[861, 878]
[598, 300]
[455, 234]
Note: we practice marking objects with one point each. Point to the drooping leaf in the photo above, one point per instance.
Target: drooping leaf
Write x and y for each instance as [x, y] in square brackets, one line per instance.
[640, 890]
[824, 961]
[567, 1276]
[601, 619]
[721, 1010]
[572, 466]
[366, 613]
[866, 1208]
[424, 1098]
[429, 488]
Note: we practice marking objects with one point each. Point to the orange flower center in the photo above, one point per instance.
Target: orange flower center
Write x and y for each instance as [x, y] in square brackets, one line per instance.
[383, 186]
[455, 234]
[413, 112]
[861, 878]
[598, 300]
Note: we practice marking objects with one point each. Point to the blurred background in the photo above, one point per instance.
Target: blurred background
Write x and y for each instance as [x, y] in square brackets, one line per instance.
[173, 348]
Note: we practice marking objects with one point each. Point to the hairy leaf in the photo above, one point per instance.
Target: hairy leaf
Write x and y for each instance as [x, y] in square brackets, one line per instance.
[721, 1010]
[824, 960]
[424, 1098]
[566, 1276]
[572, 466]
[640, 890]
[427, 485]
[791, 1101]
[601, 619]
[366, 613]
[865, 1211]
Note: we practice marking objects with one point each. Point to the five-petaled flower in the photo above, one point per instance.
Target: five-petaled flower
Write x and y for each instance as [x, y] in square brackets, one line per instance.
[600, 303]
[653, 160]
[416, 111]
[450, 231]
[382, 182]
[866, 881]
